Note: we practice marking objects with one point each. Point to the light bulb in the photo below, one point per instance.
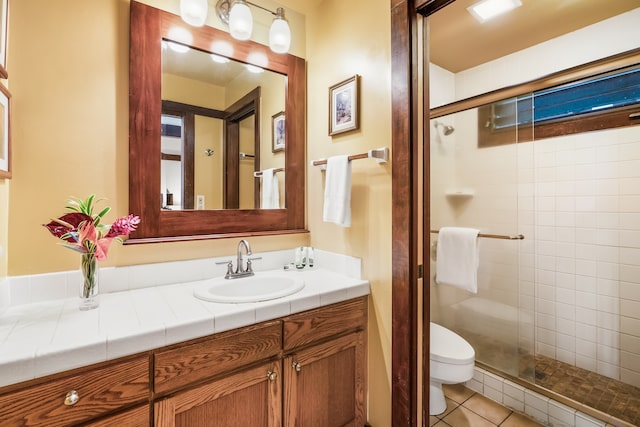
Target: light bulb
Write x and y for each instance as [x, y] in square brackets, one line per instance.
[280, 33]
[194, 12]
[179, 39]
[240, 21]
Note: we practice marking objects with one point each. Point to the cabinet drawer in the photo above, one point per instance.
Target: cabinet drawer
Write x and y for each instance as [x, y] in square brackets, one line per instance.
[186, 364]
[99, 391]
[321, 323]
[138, 417]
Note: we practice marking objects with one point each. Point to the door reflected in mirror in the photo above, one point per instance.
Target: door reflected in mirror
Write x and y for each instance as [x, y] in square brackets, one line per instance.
[216, 131]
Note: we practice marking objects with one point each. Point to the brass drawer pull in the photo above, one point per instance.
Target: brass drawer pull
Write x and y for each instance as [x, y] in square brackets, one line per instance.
[71, 398]
[272, 375]
[297, 366]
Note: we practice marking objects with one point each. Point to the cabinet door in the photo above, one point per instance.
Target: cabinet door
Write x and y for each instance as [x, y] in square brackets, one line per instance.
[325, 384]
[249, 398]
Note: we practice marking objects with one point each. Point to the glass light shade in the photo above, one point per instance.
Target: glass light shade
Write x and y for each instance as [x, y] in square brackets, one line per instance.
[194, 12]
[280, 35]
[240, 21]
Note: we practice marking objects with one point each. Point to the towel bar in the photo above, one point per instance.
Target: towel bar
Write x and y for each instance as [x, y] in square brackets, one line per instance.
[493, 236]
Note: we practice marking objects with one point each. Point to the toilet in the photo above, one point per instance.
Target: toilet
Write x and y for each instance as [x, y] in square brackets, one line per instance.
[451, 361]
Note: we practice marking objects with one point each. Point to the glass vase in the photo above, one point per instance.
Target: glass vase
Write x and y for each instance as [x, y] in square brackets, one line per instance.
[89, 290]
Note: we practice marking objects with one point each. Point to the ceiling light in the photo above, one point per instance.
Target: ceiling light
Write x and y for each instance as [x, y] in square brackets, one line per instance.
[487, 9]
[194, 12]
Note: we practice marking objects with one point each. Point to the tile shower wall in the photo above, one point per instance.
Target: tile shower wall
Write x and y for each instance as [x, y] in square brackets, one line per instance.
[585, 216]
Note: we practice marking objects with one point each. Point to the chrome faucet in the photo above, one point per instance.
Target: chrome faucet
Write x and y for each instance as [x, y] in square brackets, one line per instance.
[240, 270]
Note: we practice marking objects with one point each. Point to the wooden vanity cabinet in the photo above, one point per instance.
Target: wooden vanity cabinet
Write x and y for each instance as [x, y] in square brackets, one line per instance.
[80, 396]
[307, 369]
[217, 382]
[251, 397]
[325, 366]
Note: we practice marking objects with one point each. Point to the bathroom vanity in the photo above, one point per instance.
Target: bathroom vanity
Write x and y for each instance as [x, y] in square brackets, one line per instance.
[304, 368]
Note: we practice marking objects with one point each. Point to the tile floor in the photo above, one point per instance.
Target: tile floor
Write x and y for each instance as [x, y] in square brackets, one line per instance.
[466, 408]
[597, 391]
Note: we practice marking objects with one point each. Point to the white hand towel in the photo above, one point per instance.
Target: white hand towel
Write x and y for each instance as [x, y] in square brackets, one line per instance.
[337, 191]
[458, 257]
[270, 195]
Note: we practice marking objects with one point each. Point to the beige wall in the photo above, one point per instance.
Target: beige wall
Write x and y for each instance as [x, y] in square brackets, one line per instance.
[69, 78]
[346, 38]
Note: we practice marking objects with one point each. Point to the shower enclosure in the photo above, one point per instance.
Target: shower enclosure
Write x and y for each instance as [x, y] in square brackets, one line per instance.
[561, 308]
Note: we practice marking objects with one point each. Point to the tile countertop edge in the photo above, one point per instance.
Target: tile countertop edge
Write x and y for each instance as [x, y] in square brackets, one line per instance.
[111, 331]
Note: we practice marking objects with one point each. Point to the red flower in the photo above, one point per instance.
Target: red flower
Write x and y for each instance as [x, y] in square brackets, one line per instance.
[66, 224]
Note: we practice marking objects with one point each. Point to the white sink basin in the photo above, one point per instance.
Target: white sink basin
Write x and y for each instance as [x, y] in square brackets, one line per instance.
[263, 286]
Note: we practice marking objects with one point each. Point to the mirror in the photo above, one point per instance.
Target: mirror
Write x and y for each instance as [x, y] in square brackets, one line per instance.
[246, 117]
[200, 95]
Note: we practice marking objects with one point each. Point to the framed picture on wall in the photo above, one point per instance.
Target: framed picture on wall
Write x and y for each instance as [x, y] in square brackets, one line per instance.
[344, 106]
[278, 132]
[4, 4]
[5, 133]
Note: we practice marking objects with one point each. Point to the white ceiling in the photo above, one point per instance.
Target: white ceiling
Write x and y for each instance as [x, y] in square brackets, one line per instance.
[459, 42]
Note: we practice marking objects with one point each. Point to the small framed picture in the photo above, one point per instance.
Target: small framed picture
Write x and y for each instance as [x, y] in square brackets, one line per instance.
[4, 4]
[5, 133]
[278, 132]
[344, 107]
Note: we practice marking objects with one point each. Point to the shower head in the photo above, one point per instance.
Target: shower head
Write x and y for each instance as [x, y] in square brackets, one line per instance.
[446, 129]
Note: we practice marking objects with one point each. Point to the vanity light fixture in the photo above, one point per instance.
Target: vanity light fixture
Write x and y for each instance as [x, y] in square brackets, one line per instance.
[194, 12]
[237, 15]
[487, 9]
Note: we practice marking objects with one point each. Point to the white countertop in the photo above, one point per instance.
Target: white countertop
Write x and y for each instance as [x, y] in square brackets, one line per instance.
[48, 337]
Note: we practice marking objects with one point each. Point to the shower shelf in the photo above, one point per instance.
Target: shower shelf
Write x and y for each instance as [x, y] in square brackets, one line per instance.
[463, 194]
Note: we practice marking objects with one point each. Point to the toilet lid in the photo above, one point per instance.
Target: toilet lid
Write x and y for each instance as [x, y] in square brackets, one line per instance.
[448, 347]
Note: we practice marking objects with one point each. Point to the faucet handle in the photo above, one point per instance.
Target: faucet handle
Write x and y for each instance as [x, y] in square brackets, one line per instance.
[229, 266]
[249, 268]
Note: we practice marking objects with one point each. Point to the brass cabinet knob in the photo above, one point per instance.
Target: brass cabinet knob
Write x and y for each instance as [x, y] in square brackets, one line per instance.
[272, 375]
[297, 366]
[71, 398]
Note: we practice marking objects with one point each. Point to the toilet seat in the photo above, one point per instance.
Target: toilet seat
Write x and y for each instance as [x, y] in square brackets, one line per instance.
[446, 346]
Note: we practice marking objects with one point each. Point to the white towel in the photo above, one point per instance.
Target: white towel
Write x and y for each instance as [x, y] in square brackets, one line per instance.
[458, 257]
[337, 191]
[270, 195]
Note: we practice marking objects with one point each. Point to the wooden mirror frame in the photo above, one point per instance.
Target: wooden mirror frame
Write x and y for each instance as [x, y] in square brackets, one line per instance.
[149, 26]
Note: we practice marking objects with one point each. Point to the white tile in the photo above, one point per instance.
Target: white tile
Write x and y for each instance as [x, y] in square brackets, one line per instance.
[46, 287]
[493, 394]
[122, 343]
[554, 422]
[541, 416]
[585, 362]
[537, 401]
[514, 404]
[185, 330]
[513, 390]
[272, 310]
[52, 358]
[586, 348]
[584, 420]
[475, 385]
[493, 381]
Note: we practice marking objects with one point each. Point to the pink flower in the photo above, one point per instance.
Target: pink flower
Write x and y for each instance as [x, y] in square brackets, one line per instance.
[83, 232]
[123, 226]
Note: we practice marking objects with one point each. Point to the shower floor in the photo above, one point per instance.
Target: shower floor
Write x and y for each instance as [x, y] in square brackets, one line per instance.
[589, 388]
